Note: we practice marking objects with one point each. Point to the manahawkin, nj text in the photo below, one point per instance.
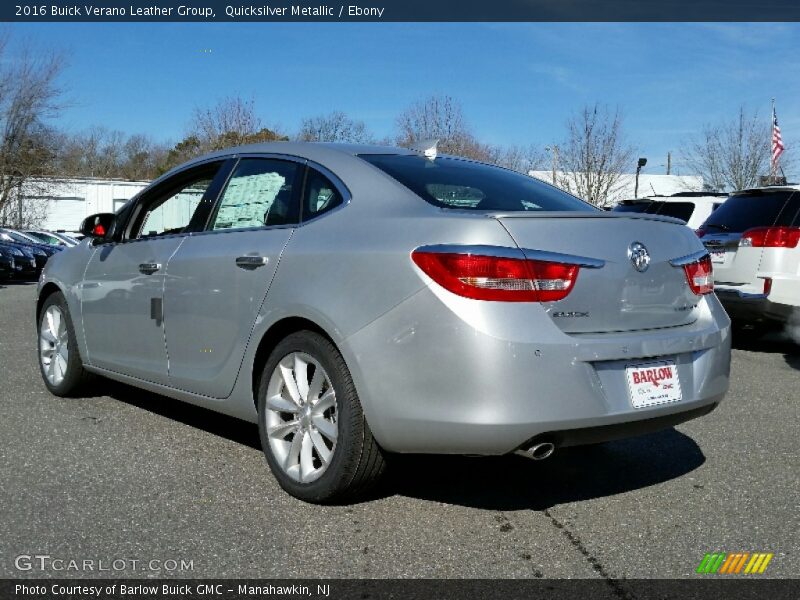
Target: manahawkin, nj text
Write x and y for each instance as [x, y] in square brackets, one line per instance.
[232, 11]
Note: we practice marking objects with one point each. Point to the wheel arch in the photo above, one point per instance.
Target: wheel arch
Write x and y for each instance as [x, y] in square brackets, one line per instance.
[47, 290]
[276, 332]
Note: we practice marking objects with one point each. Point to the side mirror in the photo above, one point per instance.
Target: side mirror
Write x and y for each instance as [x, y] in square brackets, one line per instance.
[98, 226]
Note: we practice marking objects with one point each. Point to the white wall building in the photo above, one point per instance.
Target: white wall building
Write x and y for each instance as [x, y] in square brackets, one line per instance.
[649, 185]
[63, 203]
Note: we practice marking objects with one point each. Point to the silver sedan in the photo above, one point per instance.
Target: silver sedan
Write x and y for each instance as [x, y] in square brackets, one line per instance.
[359, 300]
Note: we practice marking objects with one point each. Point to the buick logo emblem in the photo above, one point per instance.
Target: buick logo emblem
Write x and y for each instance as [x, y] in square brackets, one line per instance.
[639, 256]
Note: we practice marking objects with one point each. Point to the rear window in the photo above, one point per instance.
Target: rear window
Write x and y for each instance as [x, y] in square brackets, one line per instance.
[679, 210]
[462, 184]
[753, 209]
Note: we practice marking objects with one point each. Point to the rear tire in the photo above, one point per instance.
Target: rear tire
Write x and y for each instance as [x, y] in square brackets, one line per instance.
[315, 438]
[59, 361]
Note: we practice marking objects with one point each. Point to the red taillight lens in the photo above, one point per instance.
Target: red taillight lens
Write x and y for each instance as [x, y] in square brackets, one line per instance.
[771, 237]
[496, 278]
[700, 276]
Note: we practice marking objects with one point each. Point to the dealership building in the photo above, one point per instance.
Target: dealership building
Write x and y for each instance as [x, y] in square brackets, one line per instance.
[61, 204]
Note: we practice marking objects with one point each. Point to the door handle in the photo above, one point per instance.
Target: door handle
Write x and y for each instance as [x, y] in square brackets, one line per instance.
[149, 268]
[251, 262]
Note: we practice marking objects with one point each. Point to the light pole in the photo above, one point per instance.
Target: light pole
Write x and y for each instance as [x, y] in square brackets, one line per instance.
[554, 150]
[642, 162]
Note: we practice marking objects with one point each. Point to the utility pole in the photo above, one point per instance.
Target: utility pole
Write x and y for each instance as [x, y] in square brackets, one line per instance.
[669, 163]
[554, 150]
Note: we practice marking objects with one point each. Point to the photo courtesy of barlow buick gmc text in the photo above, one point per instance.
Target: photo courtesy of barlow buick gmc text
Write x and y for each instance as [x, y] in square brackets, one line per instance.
[399, 300]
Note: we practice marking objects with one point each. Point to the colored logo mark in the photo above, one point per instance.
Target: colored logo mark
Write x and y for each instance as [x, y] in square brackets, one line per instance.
[735, 563]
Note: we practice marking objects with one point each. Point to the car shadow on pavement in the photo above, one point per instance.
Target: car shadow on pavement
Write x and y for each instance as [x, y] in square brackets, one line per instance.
[493, 483]
[771, 343]
[212, 422]
[570, 475]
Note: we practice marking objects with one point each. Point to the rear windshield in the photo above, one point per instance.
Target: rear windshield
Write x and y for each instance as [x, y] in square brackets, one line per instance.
[455, 183]
[754, 209]
[679, 210]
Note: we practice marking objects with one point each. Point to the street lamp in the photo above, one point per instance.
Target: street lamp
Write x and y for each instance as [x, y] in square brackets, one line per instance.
[642, 162]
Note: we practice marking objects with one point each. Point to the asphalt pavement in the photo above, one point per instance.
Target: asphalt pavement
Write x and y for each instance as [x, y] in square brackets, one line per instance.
[126, 475]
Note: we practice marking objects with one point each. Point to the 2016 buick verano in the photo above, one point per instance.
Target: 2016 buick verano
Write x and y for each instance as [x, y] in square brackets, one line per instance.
[357, 300]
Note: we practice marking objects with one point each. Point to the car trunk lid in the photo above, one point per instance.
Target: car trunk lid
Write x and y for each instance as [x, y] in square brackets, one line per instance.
[617, 296]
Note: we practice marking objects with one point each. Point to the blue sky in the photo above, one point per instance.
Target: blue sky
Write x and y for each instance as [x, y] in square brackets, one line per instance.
[517, 83]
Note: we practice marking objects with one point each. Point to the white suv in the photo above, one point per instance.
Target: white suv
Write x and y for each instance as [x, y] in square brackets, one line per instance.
[754, 241]
[692, 207]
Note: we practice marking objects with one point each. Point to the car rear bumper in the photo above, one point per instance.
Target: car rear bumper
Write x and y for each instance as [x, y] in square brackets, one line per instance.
[752, 308]
[437, 380]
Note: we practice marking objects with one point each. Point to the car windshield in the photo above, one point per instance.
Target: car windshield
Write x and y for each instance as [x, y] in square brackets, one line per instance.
[753, 209]
[462, 184]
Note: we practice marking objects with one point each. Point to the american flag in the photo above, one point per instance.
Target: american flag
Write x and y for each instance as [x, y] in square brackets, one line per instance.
[777, 142]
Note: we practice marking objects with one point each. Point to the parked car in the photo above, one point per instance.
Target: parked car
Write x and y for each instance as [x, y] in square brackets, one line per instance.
[691, 207]
[7, 266]
[52, 238]
[358, 300]
[754, 241]
[40, 251]
[25, 263]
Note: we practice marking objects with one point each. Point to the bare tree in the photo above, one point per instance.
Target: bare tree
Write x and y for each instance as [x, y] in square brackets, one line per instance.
[518, 158]
[334, 127]
[440, 117]
[29, 98]
[594, 155]
[231, 122]
[731, 155]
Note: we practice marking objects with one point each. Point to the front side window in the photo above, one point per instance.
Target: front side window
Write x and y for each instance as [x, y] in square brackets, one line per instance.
[170, 211]
[461, 184]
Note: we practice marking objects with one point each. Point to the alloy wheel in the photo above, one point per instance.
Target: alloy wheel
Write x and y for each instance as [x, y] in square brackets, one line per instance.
[301, 417]
[54, 345]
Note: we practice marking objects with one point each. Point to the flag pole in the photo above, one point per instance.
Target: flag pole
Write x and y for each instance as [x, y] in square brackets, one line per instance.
[772, 173]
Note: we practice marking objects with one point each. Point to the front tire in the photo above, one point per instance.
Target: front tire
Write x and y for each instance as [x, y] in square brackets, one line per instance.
[313, 431]
[59, 361]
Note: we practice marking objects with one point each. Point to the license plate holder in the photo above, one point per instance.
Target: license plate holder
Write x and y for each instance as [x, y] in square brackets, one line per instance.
[653, 383]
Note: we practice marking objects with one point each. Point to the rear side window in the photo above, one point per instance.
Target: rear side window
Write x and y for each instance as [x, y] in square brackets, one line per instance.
[319, 195]
[461, 184]
[741, 212]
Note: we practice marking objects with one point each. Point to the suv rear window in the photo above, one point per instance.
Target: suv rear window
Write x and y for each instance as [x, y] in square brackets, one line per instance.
[679, 210]
[461, 184]
[757, 208]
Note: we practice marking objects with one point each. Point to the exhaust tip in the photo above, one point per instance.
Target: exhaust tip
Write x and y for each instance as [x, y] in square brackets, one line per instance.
[539, 450]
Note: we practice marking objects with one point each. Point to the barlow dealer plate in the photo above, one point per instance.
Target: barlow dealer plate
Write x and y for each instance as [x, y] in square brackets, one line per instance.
[653, 383]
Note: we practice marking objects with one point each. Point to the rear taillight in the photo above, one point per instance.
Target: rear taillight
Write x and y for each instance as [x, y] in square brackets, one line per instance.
[771, 237]
[700, 277]
[497, 278]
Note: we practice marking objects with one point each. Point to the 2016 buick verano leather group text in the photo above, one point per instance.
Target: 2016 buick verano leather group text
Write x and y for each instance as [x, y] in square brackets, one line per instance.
[357, 300]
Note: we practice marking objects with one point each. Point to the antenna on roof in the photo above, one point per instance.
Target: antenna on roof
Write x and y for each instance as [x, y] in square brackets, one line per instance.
[426, 147]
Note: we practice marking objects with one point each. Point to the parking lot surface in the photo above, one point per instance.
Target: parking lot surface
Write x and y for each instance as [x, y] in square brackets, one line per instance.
[126, 474]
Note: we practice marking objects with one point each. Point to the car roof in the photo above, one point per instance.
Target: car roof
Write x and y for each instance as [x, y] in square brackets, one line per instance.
[791, 187]
[317, 151]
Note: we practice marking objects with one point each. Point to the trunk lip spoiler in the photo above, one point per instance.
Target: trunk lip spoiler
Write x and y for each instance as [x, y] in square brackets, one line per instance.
[689, 258]
[518, 253]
